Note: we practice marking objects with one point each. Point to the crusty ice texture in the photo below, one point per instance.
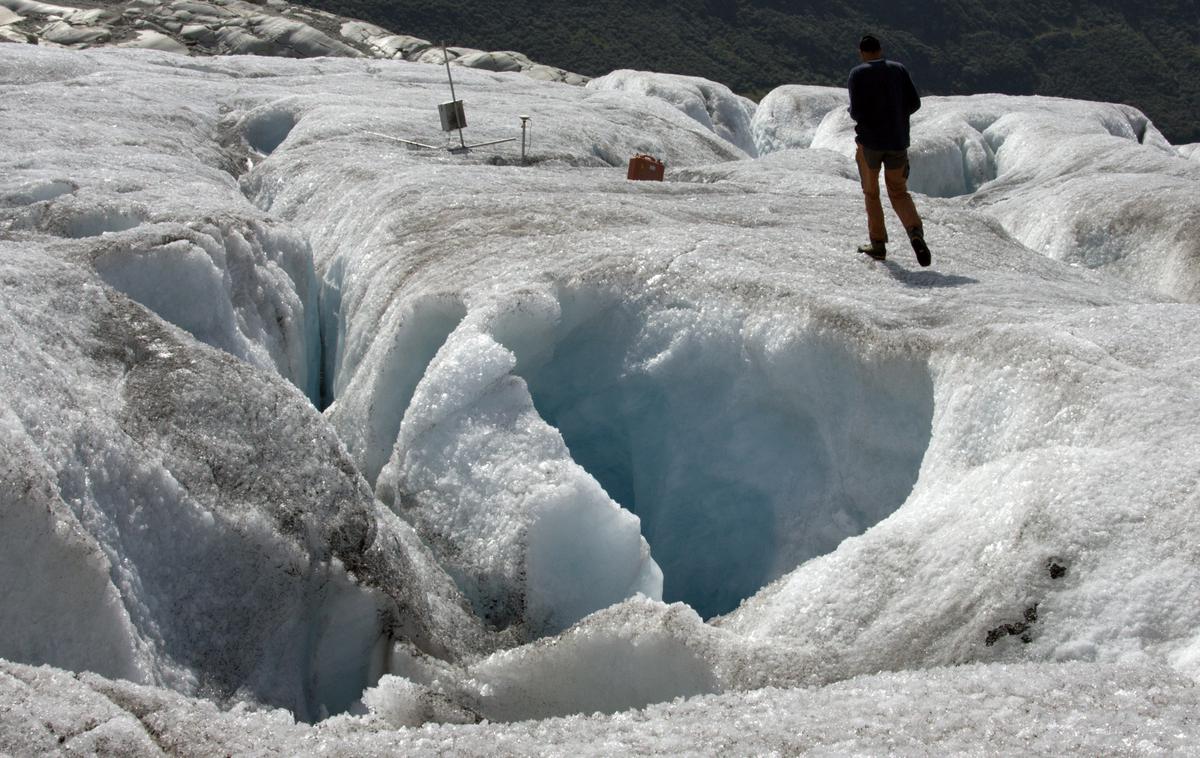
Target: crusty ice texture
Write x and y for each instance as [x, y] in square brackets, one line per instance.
[998, 449]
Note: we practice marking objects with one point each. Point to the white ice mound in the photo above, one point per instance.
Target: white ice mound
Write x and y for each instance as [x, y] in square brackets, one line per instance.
[629, 656]
[175, 517]
[958, 143]
[528, 534]
[246, 288]
[710, 104]
[788, 117]
[1003, 441]
[148, 39]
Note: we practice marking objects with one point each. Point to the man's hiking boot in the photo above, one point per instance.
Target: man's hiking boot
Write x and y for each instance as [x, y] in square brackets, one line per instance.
[876, 250]
[917, 237]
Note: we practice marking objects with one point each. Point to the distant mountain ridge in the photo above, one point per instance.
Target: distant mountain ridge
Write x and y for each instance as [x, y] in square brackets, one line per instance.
[1143, 54]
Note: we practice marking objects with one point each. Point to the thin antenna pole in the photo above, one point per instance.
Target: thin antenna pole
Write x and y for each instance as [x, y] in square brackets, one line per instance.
[446, 60]
[454, 98]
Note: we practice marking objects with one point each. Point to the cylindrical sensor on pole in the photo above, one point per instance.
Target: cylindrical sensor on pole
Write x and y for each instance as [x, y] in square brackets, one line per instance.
[524, 126]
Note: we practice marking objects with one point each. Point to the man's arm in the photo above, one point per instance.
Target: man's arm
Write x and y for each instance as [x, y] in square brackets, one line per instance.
[912, 101]
[856, 96]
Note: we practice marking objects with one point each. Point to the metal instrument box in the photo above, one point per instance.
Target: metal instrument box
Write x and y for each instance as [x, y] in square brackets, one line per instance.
[453, 115]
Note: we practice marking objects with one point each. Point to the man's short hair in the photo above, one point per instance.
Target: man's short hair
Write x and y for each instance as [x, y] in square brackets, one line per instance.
[869, 44]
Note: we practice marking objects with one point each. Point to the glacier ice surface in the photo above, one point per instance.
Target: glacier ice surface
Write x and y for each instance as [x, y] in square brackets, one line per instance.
[547, 397]
[973, 709]
[709, 103]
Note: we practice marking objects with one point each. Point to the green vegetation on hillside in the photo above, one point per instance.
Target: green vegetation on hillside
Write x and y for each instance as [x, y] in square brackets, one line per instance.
[1144, 54]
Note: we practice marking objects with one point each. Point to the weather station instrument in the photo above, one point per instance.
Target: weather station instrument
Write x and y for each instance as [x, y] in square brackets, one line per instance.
[454, 119]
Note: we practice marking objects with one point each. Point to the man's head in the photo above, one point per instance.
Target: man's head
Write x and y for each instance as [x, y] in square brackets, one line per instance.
[869, 48]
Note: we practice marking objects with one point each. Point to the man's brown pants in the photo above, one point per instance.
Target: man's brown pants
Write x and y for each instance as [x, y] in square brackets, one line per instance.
[895, 176]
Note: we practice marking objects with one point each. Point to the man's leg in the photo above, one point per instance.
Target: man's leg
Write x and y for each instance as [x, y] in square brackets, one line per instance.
[895, 176]
[870, 186]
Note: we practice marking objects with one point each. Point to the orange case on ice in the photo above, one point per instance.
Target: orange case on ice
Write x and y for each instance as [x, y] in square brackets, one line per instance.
[645, 168]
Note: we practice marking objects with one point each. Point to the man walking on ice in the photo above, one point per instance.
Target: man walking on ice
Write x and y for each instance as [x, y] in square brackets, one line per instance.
[882, 97]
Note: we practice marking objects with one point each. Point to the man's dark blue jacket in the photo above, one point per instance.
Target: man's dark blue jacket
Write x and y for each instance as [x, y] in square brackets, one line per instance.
[882, 97]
